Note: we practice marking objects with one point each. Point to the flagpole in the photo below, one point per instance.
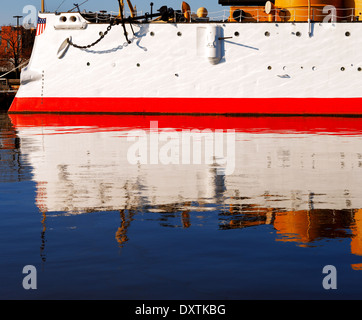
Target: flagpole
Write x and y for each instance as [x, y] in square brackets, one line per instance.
[42, 6]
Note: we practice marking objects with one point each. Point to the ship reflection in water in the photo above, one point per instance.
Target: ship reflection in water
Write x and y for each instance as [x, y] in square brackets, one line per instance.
[292, 197]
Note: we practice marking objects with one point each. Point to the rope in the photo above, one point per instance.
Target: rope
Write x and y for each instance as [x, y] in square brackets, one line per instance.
[19, 66]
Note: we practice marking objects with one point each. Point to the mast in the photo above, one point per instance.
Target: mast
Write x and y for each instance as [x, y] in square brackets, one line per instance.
[42, 6]
[121, 7]
[132, 9]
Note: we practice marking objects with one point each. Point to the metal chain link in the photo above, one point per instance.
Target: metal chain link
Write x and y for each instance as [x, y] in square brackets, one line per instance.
[111, 25]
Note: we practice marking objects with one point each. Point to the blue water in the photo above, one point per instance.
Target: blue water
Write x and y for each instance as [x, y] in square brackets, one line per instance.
[180, 250]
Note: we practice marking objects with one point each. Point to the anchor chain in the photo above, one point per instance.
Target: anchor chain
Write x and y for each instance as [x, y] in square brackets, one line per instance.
[111, 25]
[164, 12]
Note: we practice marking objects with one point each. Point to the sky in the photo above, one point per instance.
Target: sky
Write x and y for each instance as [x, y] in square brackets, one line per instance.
[10, 8]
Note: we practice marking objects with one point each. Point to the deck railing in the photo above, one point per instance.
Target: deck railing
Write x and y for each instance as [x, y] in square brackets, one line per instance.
[257, 14]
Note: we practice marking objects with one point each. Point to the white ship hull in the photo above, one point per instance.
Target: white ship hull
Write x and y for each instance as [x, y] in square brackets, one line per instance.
[238, 68]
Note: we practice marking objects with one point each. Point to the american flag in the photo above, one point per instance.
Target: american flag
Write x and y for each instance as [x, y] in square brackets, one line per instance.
[42, 22]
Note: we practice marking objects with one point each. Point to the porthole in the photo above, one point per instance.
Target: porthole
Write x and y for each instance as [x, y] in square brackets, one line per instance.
[269, 67]
[314, 68]
[342, 69]
[359, 69]
[347, 34]
[88, 64]
[63, 19]
[236, 34]
[152, 33]
[138, 65]
[179, 34]
[267, 33]
[298, 34]
[73, 19]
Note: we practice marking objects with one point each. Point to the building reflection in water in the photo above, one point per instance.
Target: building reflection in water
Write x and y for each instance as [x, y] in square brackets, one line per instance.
[301, 176]
[12, 168]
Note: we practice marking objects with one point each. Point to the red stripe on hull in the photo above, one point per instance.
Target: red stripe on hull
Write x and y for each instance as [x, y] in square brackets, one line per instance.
[313, 106]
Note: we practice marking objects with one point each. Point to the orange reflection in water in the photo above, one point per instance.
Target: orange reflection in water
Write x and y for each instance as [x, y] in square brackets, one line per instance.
[305, 227]
[308, 226]
[356, 243]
